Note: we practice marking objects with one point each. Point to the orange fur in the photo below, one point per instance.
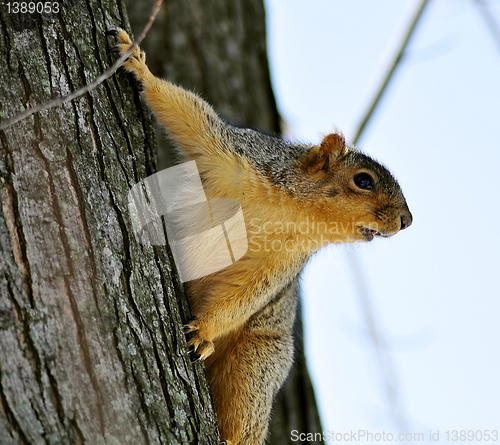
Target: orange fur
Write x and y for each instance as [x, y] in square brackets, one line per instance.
[245, 312]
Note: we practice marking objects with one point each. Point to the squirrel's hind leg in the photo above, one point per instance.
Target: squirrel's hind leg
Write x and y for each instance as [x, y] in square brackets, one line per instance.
[248, 368]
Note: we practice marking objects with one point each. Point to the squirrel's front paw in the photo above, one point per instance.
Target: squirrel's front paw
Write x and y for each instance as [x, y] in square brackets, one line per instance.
[201, 347]
[136, 62]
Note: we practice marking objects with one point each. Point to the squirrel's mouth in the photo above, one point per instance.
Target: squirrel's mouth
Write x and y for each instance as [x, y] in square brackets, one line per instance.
[370, 233]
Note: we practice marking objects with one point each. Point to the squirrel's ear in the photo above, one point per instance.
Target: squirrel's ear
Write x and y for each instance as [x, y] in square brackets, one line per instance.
[332, 148]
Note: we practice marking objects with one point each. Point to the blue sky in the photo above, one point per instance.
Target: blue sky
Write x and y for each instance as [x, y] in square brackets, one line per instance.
[434, 288]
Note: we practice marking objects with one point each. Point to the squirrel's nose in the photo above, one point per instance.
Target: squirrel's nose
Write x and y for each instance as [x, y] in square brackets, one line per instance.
[406, 219]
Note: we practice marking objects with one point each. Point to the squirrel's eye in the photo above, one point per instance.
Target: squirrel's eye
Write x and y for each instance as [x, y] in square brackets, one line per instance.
[364, 181]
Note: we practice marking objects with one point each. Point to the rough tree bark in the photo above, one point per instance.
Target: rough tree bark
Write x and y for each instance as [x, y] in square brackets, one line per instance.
[218, 49]
[91, 346]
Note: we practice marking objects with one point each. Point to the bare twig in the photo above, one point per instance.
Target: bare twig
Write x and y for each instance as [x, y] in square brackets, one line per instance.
[387, 369]
[389, 74]
[386, 366]
[89, 87]
[490, 21]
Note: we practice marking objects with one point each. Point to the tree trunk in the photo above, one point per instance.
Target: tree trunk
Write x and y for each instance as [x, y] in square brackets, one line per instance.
[91, 345]
[218, 49]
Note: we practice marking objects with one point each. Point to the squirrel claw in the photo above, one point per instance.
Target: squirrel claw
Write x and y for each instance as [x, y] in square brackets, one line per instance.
[188, 328]
[191, 326]
[115, 50]
[202, 348]
[112, 32]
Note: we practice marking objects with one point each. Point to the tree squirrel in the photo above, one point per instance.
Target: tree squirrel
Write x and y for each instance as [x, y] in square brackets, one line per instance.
[295, 198]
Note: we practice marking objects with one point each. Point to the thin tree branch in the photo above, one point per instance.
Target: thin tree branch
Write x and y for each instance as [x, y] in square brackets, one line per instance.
[389, 75]
[89, 87]
[490, 21]
[386, 366]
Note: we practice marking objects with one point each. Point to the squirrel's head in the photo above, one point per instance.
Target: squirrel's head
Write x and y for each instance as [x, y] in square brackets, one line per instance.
[355, 194]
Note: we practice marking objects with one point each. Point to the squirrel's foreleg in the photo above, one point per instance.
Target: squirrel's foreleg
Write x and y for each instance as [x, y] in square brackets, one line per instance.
[191, 122]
